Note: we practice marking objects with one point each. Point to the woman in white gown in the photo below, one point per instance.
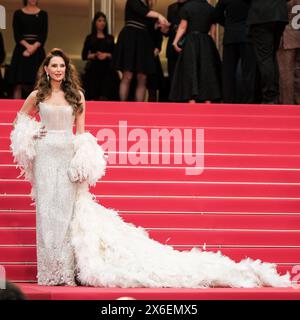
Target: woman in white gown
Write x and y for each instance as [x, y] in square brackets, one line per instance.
[80, 241]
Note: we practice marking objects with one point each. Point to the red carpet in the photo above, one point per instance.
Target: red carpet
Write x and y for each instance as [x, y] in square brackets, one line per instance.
[245, 203]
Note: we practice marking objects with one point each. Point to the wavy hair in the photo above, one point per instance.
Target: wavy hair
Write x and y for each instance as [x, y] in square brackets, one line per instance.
[98, 15]
[70, 85]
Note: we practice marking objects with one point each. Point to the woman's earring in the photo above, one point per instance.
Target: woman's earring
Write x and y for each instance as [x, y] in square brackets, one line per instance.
[47, 75]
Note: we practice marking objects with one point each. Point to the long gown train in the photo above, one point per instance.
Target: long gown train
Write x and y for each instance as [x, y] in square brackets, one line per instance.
[108, 251]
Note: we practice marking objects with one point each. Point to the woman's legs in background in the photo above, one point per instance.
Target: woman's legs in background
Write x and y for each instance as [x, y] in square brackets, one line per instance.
[152, 93]
[141, 87]
[22, 90]
[17, 92]
[125, 85]
[140, 90]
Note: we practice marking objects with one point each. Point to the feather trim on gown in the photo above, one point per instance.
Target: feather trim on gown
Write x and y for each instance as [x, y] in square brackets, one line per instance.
[23, 145]
[112, 253]
[89, 161]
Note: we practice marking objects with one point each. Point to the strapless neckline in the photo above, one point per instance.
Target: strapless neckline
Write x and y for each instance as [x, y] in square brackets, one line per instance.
[55, 106]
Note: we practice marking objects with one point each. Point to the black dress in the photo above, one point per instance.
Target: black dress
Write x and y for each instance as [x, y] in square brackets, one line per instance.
[134, 50]
[198, 69]
[155, 81]
[32, 28]
[101, 80]
[174, 19]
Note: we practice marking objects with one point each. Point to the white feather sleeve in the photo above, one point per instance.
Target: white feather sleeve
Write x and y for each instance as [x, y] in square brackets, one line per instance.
[89, 161]
[23, 143]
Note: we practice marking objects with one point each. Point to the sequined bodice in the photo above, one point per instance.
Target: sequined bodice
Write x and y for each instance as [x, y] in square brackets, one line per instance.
[57, 117]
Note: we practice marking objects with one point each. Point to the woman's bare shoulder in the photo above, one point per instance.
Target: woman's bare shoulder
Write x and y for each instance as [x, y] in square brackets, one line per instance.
[33, 94]
[30, 104]
[82, 98]
[81, 95]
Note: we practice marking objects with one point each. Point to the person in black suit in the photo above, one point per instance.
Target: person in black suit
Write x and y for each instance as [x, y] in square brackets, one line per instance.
[174, 19]
[237, 48]
[267, 20]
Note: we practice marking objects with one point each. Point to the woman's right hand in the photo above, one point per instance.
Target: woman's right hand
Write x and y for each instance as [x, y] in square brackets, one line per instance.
[41, 133]
[101, 55]
[163, 22]
[92, 56]
[164, 29]
[26, 53]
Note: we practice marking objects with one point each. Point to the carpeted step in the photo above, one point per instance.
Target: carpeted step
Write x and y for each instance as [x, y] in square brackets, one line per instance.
[21, 273]
[167, 219]
[173, 188]
[22, 254]
[175, 203]
[168, 173]
[183, 236]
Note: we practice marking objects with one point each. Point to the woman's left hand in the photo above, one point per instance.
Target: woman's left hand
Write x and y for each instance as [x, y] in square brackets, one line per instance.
[177, 49]
[164, 29]
[156, 52]
[32, 49]
[102, 55]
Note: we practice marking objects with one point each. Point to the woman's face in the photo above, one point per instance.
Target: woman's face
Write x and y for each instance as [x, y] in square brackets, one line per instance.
[32, 2]
[56, 69]
[100, 24]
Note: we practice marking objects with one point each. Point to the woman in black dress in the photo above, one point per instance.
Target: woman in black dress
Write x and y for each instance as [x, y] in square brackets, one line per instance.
[134, 52]
[101, 81]
[155, 81]
[198, 70]
[30, 25]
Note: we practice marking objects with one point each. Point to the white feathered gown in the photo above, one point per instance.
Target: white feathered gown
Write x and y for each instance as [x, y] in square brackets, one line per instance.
[111, 253]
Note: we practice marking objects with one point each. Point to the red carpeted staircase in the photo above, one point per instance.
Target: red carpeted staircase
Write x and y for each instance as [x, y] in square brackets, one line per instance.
[246, 202]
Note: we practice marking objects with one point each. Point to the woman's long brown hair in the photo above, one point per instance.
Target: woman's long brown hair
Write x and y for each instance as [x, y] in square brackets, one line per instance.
[70, 85]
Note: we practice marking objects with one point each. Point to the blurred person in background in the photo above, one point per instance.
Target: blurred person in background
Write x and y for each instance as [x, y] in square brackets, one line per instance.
[134, 50]
[289, 57]
[11, 292]
[156, 81]
[174, 19]
[267, 20]
[101, 80]
[237, 51]
[30, 26]
[197, 76]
